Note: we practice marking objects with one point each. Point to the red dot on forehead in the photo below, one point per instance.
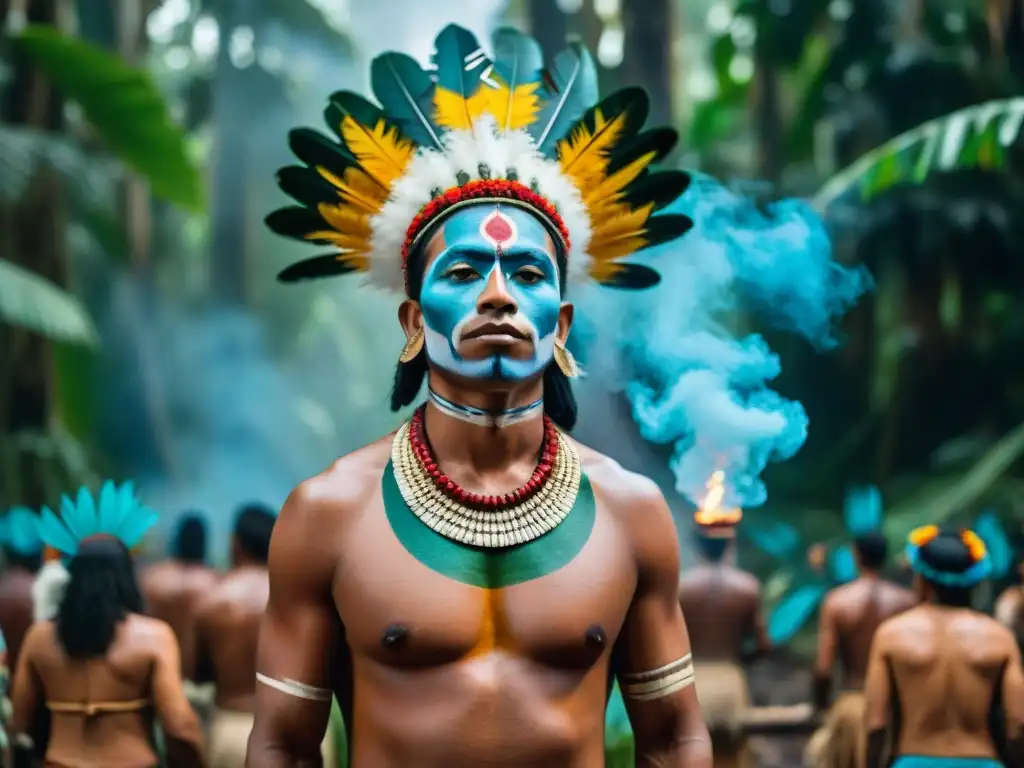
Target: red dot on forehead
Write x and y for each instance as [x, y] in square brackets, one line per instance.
[498, 228]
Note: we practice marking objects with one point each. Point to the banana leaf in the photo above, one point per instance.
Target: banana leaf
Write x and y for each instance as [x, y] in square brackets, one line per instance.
[975, 137]
[123, 106]
[33, 302]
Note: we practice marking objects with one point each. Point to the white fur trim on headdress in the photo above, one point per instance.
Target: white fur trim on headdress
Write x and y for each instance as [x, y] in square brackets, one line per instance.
[48, 590]
[464, 151]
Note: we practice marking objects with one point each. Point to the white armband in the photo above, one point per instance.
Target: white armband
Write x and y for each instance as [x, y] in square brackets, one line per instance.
[645, 686]
[295, 688]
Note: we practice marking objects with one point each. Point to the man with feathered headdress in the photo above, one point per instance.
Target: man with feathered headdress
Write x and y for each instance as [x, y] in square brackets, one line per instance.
[944, 686]
[469, 586]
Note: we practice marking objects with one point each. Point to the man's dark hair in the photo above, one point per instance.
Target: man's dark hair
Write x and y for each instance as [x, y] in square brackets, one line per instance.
[947, 553]
[872, 550]
[101, 592]
[712, 548]
[559, 401]
[189, 543]
[254, 525]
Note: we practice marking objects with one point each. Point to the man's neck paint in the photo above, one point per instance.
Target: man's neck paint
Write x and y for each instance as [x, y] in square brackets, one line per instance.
[491, 568]
[480, 417]
[482, 243]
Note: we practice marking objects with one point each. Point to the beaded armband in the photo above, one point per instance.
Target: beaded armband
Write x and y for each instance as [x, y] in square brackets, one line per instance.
[660, 682]
[295, 688]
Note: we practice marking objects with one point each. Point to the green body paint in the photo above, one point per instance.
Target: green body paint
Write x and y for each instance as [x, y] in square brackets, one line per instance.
[490, 568]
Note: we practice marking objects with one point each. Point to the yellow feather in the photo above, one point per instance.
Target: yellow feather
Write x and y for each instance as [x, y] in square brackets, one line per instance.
[603, 271]
[584, 155]
[606, 253]
[617, 181]
[348, 243]
[624, 221]
[456, 113]
[357, 189]
[346, 219]
[515, 108]
[380, 150]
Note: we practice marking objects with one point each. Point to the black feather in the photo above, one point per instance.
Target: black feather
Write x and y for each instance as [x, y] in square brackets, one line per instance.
[666, 228]
[315, 149]
[660, 141]
[296, 223]
[328, 265]
[661, 188]
[633, 277]
[306, 186]
[362, 110]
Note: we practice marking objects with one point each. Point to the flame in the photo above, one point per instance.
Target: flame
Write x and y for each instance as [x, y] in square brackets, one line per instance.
[710, 511]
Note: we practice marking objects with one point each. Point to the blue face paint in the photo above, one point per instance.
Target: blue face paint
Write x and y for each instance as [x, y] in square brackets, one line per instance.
[482, 244]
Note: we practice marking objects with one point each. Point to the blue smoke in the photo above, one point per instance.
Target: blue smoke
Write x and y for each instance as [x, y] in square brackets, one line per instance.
[692, 378]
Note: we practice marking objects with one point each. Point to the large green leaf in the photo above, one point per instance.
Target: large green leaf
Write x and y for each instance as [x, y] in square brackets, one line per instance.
[956, 497]
[975, 137]
[32, 301]
[123, 106]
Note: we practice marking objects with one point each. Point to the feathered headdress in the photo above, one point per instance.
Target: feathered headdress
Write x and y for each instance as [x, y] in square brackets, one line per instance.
[115, 512]
[476, 130]
[19, 532]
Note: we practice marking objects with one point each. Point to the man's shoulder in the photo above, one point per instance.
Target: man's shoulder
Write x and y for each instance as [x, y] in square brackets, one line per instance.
[616, 484]
[343, 486]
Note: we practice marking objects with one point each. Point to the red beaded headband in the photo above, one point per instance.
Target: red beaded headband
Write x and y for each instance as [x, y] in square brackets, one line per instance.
[482, 191]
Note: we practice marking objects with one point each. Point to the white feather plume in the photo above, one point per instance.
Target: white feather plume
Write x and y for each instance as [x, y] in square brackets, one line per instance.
[48, 590]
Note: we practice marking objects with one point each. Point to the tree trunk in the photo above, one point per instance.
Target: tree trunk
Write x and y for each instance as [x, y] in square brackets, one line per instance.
[35, 239]
[550, 26]
[647, 57]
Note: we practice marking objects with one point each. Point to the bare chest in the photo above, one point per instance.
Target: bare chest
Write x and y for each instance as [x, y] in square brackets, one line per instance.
[561, 604]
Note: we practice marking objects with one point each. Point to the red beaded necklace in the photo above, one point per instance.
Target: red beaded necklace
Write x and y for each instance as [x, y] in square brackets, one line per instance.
[451, 489]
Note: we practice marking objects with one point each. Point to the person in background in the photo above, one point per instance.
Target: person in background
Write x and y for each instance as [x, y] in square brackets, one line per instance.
[174, 587]
[5, 703]
[722, 605]
[849, 618]
[940, 671]
[227, 629]
[103, 669]
[22, 550]
[1010, 604]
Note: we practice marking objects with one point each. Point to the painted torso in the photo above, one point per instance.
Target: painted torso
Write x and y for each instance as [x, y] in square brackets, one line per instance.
[504, 648]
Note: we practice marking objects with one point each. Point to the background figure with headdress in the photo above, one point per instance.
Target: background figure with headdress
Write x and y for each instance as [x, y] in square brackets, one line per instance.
[104, 670]
[470, 586]
[849, 617]
[939, 671]
[22, 550]
[174, 587]
[722, 605]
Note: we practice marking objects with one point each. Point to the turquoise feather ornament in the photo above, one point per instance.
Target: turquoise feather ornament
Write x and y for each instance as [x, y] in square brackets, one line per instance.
[780, 540]
[793, 612]
[863, 510]
[1000, 550]
[843, 564]
[571, 87]
[19, 532]
[116, 512]
[406, 93]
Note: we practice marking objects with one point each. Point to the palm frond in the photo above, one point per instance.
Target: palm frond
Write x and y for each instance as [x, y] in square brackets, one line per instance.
[32, 301]
[975, 137]
[956, 496]
[123, 106]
